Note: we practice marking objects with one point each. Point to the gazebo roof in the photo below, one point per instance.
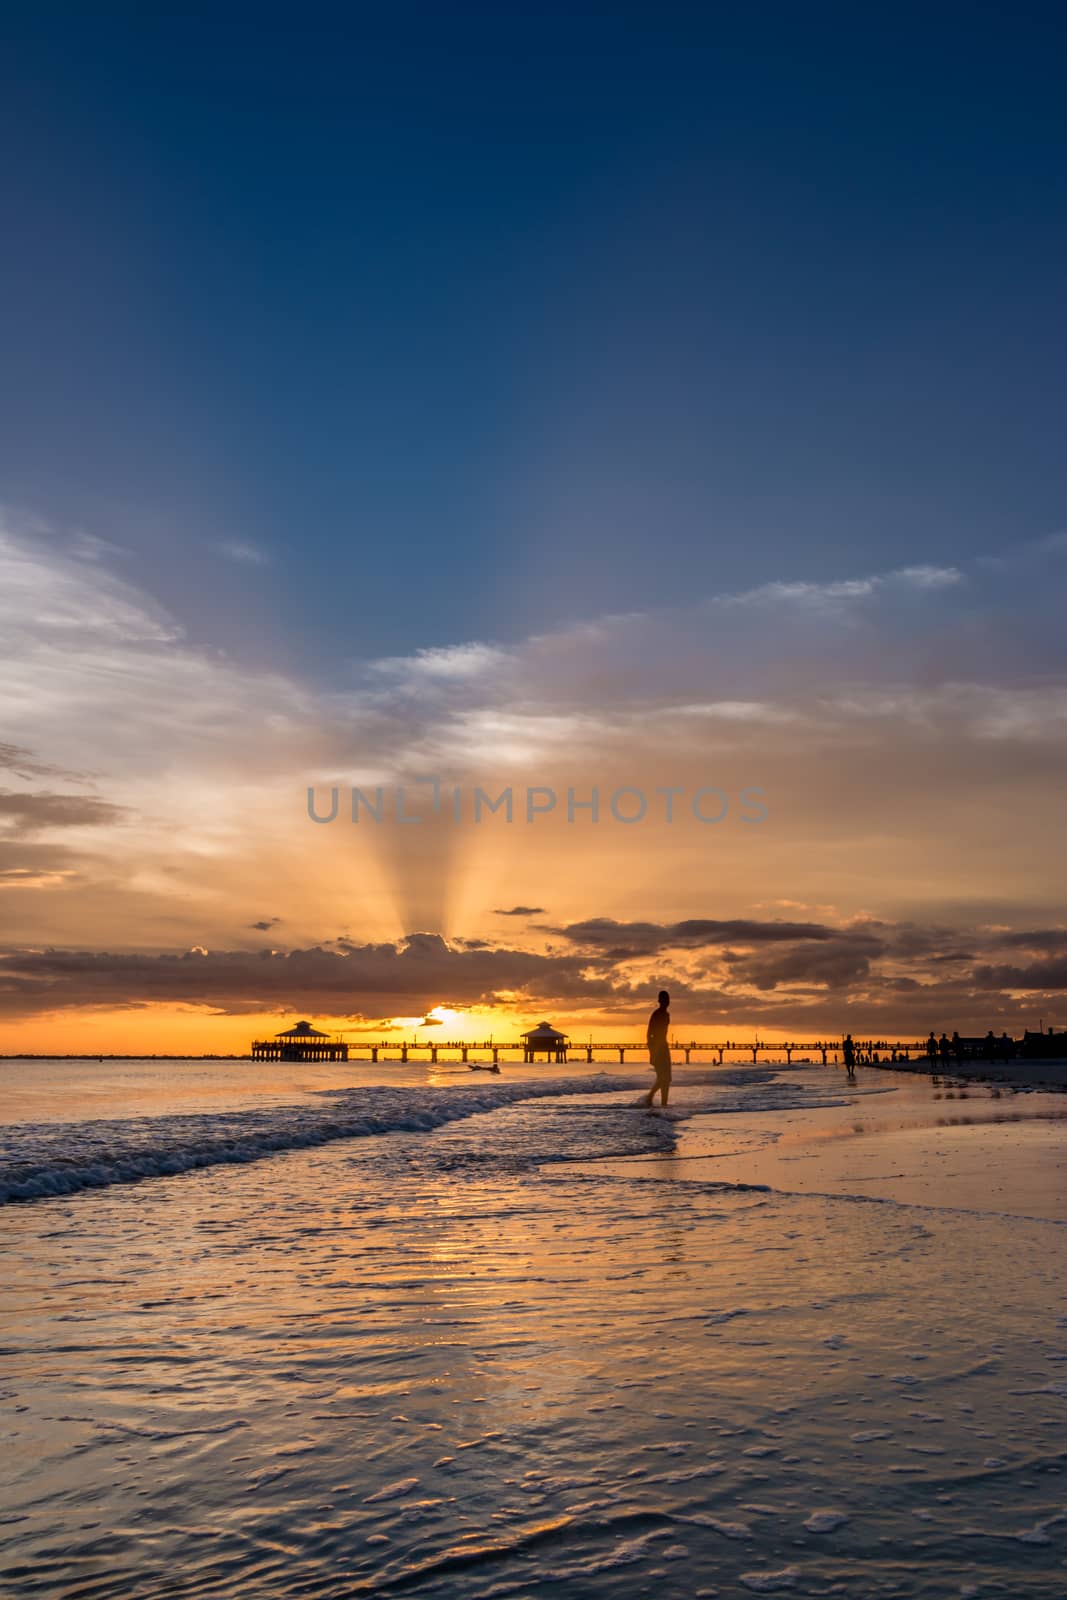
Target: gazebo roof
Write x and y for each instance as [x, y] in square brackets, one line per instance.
[544, 1030]
[303, 1030]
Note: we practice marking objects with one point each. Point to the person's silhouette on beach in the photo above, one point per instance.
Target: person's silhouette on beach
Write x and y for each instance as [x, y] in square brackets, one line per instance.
[658, 1050]
[848, 1050]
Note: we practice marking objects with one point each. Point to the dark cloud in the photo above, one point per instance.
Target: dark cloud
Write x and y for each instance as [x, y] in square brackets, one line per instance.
[518, 911]
[29, 812]
[621, 941]
[1050, 976]
[909, 939]
[265, 925]
[1033, 939]
[837, 964]
[348, 979]
[807, 978]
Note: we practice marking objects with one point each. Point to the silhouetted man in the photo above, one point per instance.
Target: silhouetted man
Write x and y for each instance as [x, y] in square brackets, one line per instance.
[658, 1050]
[848, 1049]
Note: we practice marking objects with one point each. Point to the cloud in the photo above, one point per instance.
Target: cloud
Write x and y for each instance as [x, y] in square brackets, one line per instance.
[1048, 976]
[411, 976]
[892, 752]
[53, 596]
[33, 812]
[812, 987]
[96, 670]
[1032, 938]
[624, 940]
[812, 980]
[459, 661]
[738, 711]
[17, 759]
[243, 551]
[26, 878]
[1034, 713]
[837, 964]
[814, 596]
[926, 577]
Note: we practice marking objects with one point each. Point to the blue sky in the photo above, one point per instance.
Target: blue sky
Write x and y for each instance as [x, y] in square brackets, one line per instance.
[463, 319]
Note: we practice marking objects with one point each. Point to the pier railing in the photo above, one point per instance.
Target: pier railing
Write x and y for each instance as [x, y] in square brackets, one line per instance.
[821, 1050]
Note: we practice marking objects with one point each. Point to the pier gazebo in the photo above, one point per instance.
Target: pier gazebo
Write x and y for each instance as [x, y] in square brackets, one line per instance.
[301, 1043]
[544, 1040]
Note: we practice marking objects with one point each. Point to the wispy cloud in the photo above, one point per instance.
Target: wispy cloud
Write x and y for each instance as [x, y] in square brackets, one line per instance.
[738, 711]
[28, 812]
[244, 552]
[837, 592]
[450, 663]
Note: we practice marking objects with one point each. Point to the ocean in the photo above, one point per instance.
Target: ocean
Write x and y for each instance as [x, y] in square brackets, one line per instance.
[370, 1330]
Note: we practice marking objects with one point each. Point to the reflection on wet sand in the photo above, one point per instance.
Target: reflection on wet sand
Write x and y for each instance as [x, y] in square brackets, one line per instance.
[1004, 1153]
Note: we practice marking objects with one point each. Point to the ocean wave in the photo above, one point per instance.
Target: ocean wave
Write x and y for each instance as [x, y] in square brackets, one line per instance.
[39, 1161]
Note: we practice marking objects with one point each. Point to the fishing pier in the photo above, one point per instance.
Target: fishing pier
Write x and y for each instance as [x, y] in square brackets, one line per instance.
[306, 1043]
[753, 1051]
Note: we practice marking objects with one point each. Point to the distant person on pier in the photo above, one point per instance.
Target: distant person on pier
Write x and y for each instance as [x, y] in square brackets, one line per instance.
[848, 1050]
[659, 1051]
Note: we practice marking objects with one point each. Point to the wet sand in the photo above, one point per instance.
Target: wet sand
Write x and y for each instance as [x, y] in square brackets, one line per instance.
[1019, 1074]
[513, 1348]
[945, 1144]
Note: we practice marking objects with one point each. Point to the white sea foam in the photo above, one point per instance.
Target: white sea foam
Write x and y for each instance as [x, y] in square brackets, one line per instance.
[40, 1160]
[62, 1158]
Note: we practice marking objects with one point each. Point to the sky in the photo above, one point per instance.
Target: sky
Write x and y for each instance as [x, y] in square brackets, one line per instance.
[614, 398]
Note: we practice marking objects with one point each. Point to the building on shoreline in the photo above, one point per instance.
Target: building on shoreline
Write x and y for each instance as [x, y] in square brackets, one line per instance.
[544, 1040]
[301, 1043]
[1049, 1046]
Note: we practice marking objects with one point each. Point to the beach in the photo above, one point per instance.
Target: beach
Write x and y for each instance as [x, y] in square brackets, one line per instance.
[380, 1330]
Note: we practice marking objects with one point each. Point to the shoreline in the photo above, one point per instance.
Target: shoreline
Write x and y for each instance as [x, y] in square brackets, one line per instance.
[1024, 1075]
